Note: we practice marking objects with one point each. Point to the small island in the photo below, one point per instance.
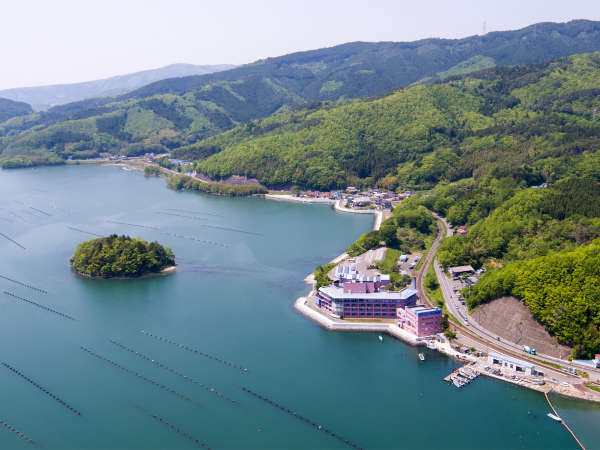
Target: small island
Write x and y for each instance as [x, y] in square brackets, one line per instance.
[121, 257]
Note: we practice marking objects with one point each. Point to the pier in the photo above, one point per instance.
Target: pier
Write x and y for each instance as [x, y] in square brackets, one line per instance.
[301, 418]
[29, 286]
[173, 371]
[41, 388]
[189, 437]
[45, 308]
[462, 376]
[193, 350]
[140, 376]
[17, 432]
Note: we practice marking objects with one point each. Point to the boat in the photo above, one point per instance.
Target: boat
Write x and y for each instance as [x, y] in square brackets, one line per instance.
[421, 356]
[380, 338]
[553, 417]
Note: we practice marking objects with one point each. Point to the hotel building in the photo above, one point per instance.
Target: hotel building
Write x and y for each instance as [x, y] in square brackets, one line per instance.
[420, 320]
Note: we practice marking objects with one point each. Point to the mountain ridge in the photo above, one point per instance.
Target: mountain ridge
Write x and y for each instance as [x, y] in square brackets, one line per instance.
[178, 112]
[46, 96]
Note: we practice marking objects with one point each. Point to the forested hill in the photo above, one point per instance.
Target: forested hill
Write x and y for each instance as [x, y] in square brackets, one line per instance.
[177, 112]
[359, 68]
[532, 123]
[10, 108]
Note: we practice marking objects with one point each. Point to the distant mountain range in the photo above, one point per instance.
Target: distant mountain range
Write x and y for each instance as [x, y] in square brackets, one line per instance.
[44, 97]
[176, 112]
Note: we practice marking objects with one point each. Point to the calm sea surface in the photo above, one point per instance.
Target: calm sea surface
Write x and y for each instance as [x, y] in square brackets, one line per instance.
[241, 265]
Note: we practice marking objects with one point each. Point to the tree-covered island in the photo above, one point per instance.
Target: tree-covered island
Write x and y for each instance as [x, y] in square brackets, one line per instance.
[121, 257]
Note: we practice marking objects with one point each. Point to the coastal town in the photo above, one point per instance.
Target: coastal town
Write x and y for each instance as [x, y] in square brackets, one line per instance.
[360, 298]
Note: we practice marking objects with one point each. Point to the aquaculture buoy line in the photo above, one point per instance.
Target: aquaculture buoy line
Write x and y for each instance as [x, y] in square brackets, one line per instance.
[182, 215]
[12, 240]
[17, 432]
[194, 212]
[24, 284]
[217, 227]
[83, 231]
[66, 316]
[193, 350]
[134, 225]
[189, 437]
[140, 376]
[180, 236]
[42, 388]
[301, 418]
[40, 211]
[173, 371]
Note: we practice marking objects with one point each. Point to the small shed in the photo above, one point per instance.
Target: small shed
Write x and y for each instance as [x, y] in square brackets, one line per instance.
[460, 270]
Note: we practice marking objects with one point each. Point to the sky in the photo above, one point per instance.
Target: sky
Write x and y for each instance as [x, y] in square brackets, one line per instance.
[64, 41]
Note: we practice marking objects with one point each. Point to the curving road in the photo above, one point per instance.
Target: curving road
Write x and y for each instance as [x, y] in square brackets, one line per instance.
[473, 331]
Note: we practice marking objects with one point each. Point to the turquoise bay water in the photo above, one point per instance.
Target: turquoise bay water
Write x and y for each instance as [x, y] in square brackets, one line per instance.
[233, 301]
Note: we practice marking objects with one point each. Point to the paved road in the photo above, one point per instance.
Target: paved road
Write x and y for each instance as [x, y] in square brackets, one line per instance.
[473, 331]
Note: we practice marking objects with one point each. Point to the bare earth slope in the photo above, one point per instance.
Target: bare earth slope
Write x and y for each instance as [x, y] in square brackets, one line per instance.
[510, 319]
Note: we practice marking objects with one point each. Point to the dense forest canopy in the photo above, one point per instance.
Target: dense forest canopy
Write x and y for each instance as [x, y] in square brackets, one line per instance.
[533, 222]
[10, 109]
[120, 256]
[530, 123]
[562, 290]
[177, 112]
[408, 229]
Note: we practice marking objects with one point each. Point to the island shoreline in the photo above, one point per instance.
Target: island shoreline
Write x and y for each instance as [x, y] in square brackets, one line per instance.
[164, 272]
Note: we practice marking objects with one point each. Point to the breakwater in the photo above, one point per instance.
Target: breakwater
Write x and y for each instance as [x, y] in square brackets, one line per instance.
[196, 351]
[173, 371]
[188, 436]
[12, 240]
[140, 376]
[37, 305]
[17, 432]
[41, 388]
[301, 418]
[28, 286]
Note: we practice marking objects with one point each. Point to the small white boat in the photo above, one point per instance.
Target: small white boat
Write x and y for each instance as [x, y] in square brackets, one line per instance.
[380, 338]
[553, 417]
[421, 356]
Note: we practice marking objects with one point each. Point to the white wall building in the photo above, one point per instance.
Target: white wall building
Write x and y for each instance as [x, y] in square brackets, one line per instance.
[516, 365]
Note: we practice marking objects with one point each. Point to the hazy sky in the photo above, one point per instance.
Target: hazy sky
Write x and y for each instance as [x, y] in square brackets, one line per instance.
[64, 41]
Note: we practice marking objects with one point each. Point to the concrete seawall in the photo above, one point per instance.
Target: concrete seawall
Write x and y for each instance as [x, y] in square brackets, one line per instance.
[329, 324]
[291, 198]
[378, 214]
